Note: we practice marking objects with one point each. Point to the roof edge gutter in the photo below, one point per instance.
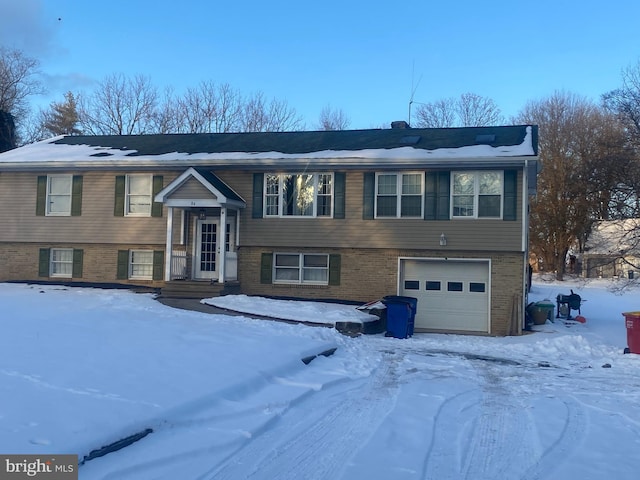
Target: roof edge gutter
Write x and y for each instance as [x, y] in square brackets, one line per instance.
[263, 163]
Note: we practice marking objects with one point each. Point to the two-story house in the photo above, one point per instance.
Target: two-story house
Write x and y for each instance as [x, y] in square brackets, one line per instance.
[436, 214]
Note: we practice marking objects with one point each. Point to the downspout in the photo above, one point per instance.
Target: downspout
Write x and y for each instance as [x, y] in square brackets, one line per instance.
[222, 245]
[525, 239]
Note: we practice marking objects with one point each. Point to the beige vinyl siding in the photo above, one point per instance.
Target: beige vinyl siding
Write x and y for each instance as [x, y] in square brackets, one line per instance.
[97, 224]
[467, 234]
[191, 189]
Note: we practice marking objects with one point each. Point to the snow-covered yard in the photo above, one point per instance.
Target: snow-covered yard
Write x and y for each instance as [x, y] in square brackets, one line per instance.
[229, 397]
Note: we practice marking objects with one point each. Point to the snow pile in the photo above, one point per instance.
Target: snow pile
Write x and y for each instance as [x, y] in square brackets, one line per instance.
[310, 312]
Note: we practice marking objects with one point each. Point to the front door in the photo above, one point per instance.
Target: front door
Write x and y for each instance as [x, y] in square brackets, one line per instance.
[207, 238]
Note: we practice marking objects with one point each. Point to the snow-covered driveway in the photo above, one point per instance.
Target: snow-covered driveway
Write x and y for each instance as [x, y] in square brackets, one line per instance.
[230, 398]
[422, 413]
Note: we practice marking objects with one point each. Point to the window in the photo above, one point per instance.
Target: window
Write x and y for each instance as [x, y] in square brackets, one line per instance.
[298, 195]
[477, 194]
[141, 264]
[59, 195]
[432, 285]
[138, 195]
[399, 195]
[272, 195]
[411, 285]
[301, 268]
[61, 262]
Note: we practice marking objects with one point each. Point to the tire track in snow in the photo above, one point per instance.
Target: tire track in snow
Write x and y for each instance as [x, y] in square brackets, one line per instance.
[484, 433]
[480, 434]
[574, 429]
[442, 460]
[315, 439]
[497, 447]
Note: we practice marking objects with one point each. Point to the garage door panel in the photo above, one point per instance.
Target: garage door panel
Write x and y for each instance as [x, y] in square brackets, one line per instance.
[452, 295]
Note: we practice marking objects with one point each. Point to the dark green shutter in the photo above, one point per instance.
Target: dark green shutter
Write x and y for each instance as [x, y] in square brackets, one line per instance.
[266, 268]
[339, 185]
[368, 195]
[510, 211]
[430, 195]
[76, 196]
[78, 256]
[258, 191]
[158, 264]
[156, 207]
[444, 188]
[334, 269]
[41, 195]
[43, 262]
[123, 265]
[437, 196]
[118, 206]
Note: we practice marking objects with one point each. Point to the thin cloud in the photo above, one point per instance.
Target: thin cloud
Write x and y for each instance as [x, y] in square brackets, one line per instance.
[24, 26]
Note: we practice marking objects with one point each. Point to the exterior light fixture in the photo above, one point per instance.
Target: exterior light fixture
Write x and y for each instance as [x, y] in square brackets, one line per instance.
[443, 240]
[202, 215]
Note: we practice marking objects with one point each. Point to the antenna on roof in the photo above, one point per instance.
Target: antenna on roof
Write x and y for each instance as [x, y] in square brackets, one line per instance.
[413, 88]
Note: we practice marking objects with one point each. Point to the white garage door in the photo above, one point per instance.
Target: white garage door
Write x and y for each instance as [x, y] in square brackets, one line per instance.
[452, 294]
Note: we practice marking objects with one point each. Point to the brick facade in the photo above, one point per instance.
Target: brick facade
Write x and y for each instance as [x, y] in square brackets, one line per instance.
[19, 261]
[365, 274]
[370, 274]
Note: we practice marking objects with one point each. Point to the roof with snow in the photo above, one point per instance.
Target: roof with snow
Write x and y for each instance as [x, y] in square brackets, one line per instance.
[342, 147]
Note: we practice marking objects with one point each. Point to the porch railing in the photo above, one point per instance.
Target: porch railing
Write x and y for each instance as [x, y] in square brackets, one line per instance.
[179, 265]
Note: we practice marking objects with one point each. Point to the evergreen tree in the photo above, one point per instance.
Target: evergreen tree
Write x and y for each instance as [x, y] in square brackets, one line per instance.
[62, 117]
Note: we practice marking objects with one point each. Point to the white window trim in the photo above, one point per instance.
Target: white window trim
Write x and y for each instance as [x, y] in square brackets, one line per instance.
[399, 195]
[476, 195]
[48, 211]
[301, 268]
[130, 265]
[281, 199]
[52, 263]
[127, 194]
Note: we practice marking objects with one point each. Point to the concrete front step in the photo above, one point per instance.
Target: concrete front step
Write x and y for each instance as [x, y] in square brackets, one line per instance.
[198, 289]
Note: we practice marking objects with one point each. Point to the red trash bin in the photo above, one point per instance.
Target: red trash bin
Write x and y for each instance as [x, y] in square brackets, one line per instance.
[632, 322]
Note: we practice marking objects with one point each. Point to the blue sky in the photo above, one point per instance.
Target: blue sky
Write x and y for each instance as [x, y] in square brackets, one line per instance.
[365, 58]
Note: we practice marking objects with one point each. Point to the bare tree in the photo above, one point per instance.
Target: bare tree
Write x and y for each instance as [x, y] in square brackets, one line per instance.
[209, 108]
[476, 111]
[18, 81]
[576, 153]
[169, 117]
[33, 129]
[331, 119]
[275, 116]
[470, 110]
[625, 101]
[438, 114]
[119, 106]
[624, 197]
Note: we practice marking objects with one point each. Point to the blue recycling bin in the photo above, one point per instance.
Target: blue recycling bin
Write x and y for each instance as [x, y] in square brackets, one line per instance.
[401, 315]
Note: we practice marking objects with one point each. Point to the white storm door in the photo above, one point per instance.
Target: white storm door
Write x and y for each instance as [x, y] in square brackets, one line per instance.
[207, 238]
